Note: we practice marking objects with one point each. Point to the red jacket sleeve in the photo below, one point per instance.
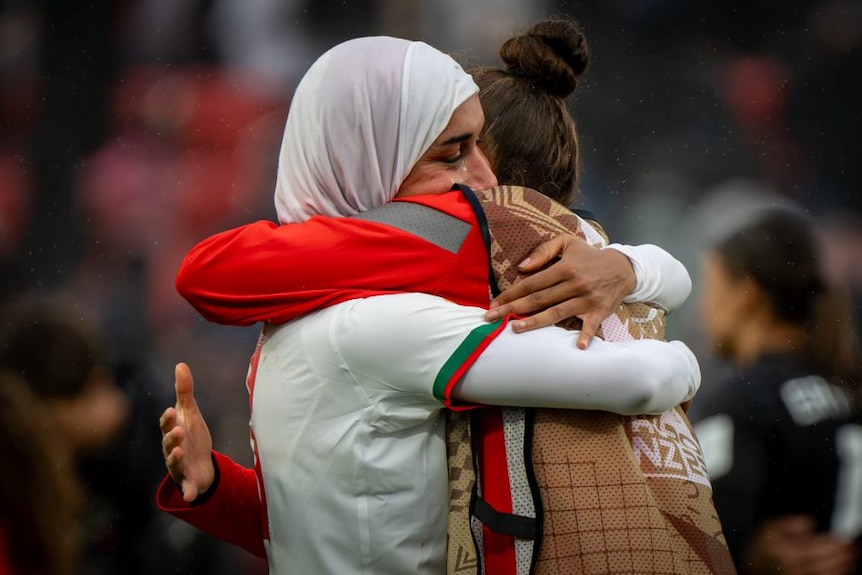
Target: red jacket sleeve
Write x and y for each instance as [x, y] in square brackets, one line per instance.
[275, 273]
[234, 513]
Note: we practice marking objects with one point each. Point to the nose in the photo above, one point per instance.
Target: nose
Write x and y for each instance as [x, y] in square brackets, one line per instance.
[481, 176]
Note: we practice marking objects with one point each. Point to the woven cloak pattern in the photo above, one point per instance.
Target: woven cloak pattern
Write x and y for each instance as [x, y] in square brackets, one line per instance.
[620, 494]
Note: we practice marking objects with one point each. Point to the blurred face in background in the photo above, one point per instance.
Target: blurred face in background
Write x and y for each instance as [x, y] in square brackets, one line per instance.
[95, 417]
[722, 305]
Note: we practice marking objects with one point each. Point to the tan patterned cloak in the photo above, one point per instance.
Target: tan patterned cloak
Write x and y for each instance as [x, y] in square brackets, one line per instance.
[616, 494]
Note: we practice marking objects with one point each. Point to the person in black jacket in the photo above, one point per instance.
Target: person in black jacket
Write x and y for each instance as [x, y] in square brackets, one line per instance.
[782, 436]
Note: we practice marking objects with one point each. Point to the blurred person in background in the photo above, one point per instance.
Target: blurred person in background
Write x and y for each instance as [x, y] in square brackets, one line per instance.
[98, 412]
[40, 525]
[841, 234]
[782, 435]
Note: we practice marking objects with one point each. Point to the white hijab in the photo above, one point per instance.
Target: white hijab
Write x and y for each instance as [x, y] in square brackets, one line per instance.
[361, 117]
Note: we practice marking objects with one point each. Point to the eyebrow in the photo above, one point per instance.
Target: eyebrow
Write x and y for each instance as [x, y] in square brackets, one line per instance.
[456, 139]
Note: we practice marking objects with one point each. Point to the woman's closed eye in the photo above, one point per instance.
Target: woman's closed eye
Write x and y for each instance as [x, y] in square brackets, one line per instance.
[466, 147]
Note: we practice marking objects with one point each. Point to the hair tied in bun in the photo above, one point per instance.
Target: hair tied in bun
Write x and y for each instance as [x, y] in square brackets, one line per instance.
[516, 71]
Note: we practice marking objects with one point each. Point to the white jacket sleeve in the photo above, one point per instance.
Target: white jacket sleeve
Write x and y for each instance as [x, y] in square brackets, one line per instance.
[661, 278]
[545, 368]
[411, 344]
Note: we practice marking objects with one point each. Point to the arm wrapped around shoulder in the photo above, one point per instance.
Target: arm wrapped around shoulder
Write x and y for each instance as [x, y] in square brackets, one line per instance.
[545, 368]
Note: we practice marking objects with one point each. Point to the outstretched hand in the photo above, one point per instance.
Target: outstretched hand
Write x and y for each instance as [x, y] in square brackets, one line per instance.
[587, 282]
[186, 440]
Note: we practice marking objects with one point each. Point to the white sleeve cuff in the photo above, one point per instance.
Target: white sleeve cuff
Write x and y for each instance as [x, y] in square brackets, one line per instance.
[661, 279]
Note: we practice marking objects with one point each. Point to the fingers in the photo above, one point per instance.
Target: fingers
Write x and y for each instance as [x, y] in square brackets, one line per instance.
[174, 435]
[185, 387]
[591, 321]
[174, 460]
[579, 282]
[172, 440]
[588, 331]
[582, 284]
[536, 293]
[545, 253]
[550, 316]
[190, 490]
[168, 420]
[174, 463]
[528, 291]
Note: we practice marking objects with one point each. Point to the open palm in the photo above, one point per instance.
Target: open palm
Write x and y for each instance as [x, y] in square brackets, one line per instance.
[186, 439]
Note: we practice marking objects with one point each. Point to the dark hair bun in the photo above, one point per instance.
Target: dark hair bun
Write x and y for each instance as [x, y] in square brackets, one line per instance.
[552, 54]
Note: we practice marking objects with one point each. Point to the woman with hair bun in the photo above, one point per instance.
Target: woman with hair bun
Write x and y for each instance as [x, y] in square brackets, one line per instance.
[530, 136]
[609, 493]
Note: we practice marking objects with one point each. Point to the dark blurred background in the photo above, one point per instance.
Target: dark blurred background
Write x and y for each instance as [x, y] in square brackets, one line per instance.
[131, 129]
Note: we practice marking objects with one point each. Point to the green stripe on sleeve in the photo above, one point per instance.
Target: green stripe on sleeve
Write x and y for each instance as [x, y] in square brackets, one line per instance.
[462, 356]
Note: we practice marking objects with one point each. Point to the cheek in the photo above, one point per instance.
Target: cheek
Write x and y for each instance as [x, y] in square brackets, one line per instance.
[426, 182]
[721, 317]
[710, 311]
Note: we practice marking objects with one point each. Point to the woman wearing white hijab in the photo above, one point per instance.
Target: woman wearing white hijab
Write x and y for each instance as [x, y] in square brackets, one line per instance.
[347, 401]
[354, 132]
